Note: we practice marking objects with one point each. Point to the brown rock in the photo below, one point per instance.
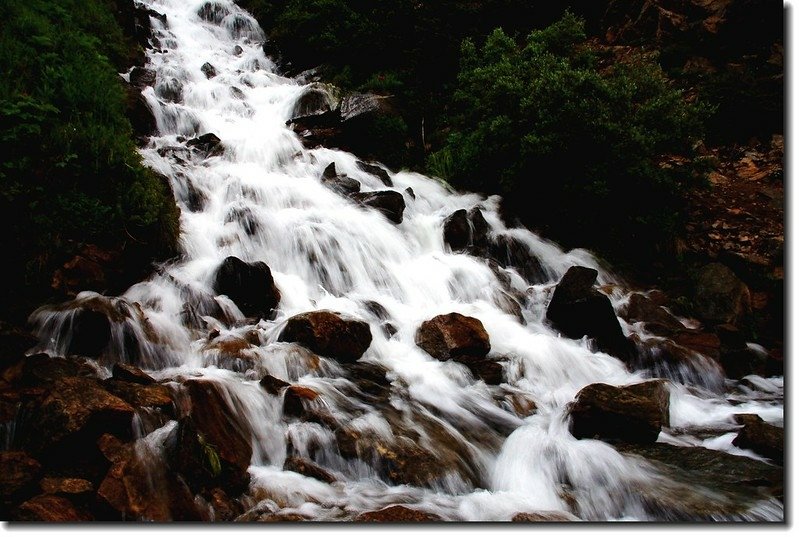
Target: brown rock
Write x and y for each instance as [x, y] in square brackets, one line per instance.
[397, 513]
[705, 343]
[49, 508]
[543, 516]
[720, 297]
[633, 413]
[273, 385]
[129, 373]
[138, 395]
[19, 475]
[295, 398]
[761, 437]
[641, 309]
[250, 285]
[453, 335]
[329, 334]
[308, 468]
[388, 202]
[70, 487]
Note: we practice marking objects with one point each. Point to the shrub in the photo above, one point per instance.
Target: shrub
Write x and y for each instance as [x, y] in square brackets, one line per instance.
[573, 145]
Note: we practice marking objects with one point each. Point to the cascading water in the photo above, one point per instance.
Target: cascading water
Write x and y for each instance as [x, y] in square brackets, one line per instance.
[260, 198]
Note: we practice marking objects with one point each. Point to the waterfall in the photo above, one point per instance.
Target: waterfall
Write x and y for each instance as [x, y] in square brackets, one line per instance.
[259, 196]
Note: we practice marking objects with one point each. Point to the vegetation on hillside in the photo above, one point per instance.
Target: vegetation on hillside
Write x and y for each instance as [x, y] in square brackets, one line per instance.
[70, 173]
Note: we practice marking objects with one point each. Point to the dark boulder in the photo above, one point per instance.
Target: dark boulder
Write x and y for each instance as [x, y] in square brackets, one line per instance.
[510, 252]
[42, 369]
[169, 90]
[249, 285]
[295, 399]
[577, 309]
[139, 113]
[329, 334]
[138, 395]
[318, 129]
[315, 100]
[208, 70]
[355, 105]
[662, 358]
[19, 479]
[397, 513]
[129, 373]
[340, 183]
[213, 12]
[388, 202]
[208, 143]
[642, 309]
[49, 508]
[377, 171]
[141, 77]
[453, 335]
[633, 413]
[77, 490]
[761, 437]
[706, 343]
[309, 469]
[273, 385]
[91, 332]
[467, 231]
[721, 297]
[488, 370]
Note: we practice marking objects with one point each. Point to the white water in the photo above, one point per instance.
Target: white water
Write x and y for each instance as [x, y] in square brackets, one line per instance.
[326, 252]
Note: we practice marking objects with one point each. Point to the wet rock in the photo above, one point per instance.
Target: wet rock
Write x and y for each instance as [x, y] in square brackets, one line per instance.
[315, 100]
[397, 513]
[457, 232]
[329, 334]
[141, 77]
[411, 193]
[75, 489]
[208, 70]
[453, 335]
[488, 370]
[208, 143]
[72, 415]
[544, 516]
[388, 202]
[510, 252]
[641, 308]
[704, 484]
[319, 129]
[662, 358]
[91, 333]
[377, 171]
[49, 508]
[295, 399]
[761, 437]
[720, 297]
[231, 352]
[213, 12]
[739, 362]
[138, 395]
[19, 478]
[369, 378]
[129, 373]
[41, 369]
[309, 469]
[139, 113]
[273, 385]
[355, 105]
[702, 342]
[212, 445]
[170, 90]
[249, 285]
[577, 309]
[339, 183]
[633, 413]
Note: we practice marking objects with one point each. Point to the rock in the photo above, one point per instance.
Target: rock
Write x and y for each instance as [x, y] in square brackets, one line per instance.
[319, 129]
[308, 468]
[249, 285]
[213, 12]
[702, 342]
[340, 183]
[453, 335]
[761, 437]
[329, 334]
[129, 373]
[633, 413]
[208, 70]
[738, 363]
[397, 513]
[457, 232]
[294, 400]
[169, 90]
[273, 385]
[388, 202]
[139, 113]
[369, 378]
[77, 490]
[209, 143]
[214, 427]
[641, 309]
[225, 508]
[90, 334]
[662, 358]
[577, 309]
[19, 478]
[41, 369]
[72, 415]
[544, 516]
[485, 369]
[411, 193]
[355, 105]
[49, 508]
[375, 170]
[141, 77]
[315, 100]
[510, 252]
[138, 395]
[705, 484]
[720, 297]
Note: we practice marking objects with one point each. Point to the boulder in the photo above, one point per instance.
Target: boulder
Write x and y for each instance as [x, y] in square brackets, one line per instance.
[761, 437]
[663, 358]
[577, 309]
[377, 171]
[397, 513]
[340, 183]
[208, 143]
[91, 332]
[169, 90]
[544, 516]
[139, 113]
[295, 399]
[488, 370]
[315, 100]
[129, 373]
[42, 369]
[138, 395]
[453, 335]
[49, 508]
[75, 489]
[705, 343]
[273, 385]
[720, 297]
[208, 70]
[641, 308]
[510, 252]
[467, 230]
[213, 444]
[388, 202]
[213, 12]
[309, 469]
[329, 334]
[72, 415]
[355, 105]
[19, 479]
[633, 413]
[249, 285]
[141, 77]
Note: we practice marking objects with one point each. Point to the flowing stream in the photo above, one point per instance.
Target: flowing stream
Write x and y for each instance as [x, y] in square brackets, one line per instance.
[262, 199]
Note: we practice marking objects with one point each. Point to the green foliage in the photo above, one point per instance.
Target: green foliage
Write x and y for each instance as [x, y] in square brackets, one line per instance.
[574, 146]
[211, 459]
[70, 173]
